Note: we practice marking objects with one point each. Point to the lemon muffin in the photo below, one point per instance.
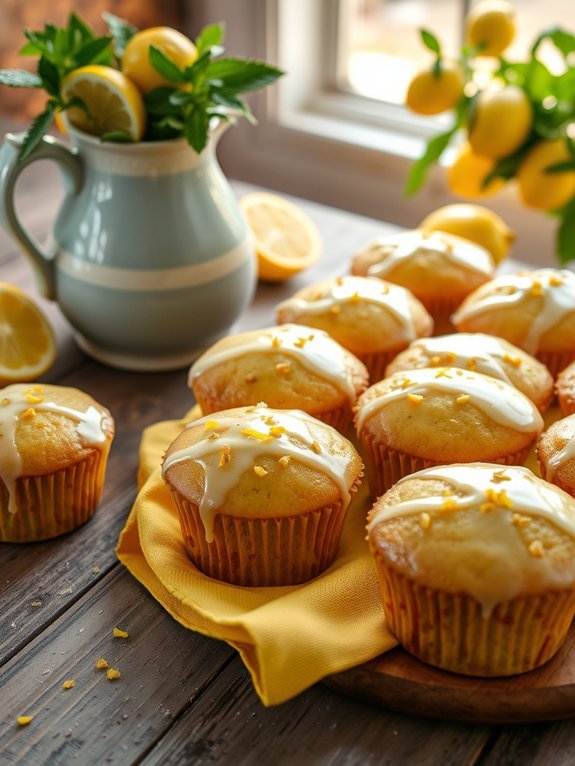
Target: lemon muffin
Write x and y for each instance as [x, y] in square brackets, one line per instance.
[535, 310]
[481, 353]
[53, 450]
[262, 494]
[288, 367]
[565, 388]
[556, 454]
[427, 417]
[440, 269]
[476, 565]
[369, 317]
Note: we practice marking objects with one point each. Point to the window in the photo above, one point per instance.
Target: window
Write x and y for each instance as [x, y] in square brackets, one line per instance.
[336, 130]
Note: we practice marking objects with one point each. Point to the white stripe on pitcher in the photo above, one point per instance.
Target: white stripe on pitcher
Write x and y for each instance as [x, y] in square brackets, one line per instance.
[135, 280]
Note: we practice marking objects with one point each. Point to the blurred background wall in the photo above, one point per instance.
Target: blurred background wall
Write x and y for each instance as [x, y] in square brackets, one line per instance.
[16, 15]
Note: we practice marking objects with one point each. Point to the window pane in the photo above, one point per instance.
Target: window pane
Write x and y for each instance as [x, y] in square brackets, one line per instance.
[382, 49]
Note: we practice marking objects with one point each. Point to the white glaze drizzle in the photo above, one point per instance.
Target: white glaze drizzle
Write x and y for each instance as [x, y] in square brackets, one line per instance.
[345, 290]
[494, 525]
[555, 287]
[313, 348]
[14, 401]
[402, 247]
[485, 352]
[498, 400]
[296, 441]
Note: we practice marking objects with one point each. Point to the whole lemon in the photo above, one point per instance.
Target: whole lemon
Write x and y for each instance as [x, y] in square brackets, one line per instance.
[541, 190]
[136, 59]
[490, 27]
[501, 122]
[468, 172]
[473, 222]
[432, 93]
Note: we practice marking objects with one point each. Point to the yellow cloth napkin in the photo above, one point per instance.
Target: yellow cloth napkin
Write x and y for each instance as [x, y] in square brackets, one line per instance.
[288, 637]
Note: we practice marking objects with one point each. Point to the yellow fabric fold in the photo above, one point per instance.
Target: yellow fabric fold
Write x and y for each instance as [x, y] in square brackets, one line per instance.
[289, 638]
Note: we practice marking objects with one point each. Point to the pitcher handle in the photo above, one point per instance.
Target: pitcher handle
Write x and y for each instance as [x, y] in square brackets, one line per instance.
[72, 170]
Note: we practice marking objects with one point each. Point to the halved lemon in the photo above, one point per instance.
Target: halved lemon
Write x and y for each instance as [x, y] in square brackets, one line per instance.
[27, 345]
[114, 103]
[286, 240]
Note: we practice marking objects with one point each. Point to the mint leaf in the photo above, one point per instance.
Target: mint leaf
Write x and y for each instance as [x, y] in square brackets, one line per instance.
[117, 137]
[164, 66]
[210, 37]
[181, 97]
[566, 234]
[239, 75]
[197, 129]
[222, 98]
[121, 31]
[196, 70]
[157, 101]
[37, 131]
[430, 41]
[50, 77]
[419, 170]
[563, 40]
[29, 49]
[19, 78]
[91, 52]
[560, 167]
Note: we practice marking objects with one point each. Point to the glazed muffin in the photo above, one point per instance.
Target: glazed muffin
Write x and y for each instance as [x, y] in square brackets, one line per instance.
[53, 450]
[556, 454]
[476, 565]
[262, 494]
[369, 317]
[481, 353]
[428, 417]
[565, 388]
[440, 269]
[288, 367]
[534, 310]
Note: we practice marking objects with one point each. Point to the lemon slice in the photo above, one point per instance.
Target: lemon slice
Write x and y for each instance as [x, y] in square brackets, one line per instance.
[286, 240]
[114, 102]
[27, 346]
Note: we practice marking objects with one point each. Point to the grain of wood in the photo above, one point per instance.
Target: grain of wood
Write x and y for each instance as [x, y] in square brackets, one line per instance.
[163, 667]
[228, 725]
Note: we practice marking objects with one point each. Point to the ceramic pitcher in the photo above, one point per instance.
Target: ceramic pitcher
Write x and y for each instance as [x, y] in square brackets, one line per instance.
[150, 260]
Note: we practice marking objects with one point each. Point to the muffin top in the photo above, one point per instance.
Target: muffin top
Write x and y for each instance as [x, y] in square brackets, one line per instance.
[448, 414]
[46, 428]
[289, 366]
[482, 353]
[260, 462]
[556, 452]
[426, 262]
[535, 310]
[566, 389]
[489, 531]
[363, 314]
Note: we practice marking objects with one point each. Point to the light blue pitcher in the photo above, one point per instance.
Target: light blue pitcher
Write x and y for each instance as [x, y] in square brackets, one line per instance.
[151, 260]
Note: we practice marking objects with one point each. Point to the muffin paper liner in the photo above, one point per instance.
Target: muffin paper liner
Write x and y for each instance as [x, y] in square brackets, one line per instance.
[441, 310]
[450, 630]
[258, 552]
[385, 466]
[376, 363]
[555, 361]
[55, 503]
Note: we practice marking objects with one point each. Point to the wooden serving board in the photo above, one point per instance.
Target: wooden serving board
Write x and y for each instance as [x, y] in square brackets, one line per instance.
[398, 681]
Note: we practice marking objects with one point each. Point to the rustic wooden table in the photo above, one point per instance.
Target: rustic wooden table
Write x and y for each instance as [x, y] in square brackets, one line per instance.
[182, 698]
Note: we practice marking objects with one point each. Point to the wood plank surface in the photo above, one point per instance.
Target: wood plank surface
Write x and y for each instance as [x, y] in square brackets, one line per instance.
[182, 698]
[228, 725]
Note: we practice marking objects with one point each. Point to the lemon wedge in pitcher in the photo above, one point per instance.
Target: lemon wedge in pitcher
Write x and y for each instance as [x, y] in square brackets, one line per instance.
[114, 103]
[27, 346]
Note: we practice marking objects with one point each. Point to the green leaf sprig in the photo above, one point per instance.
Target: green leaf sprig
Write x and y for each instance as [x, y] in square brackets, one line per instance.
[208, 89]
